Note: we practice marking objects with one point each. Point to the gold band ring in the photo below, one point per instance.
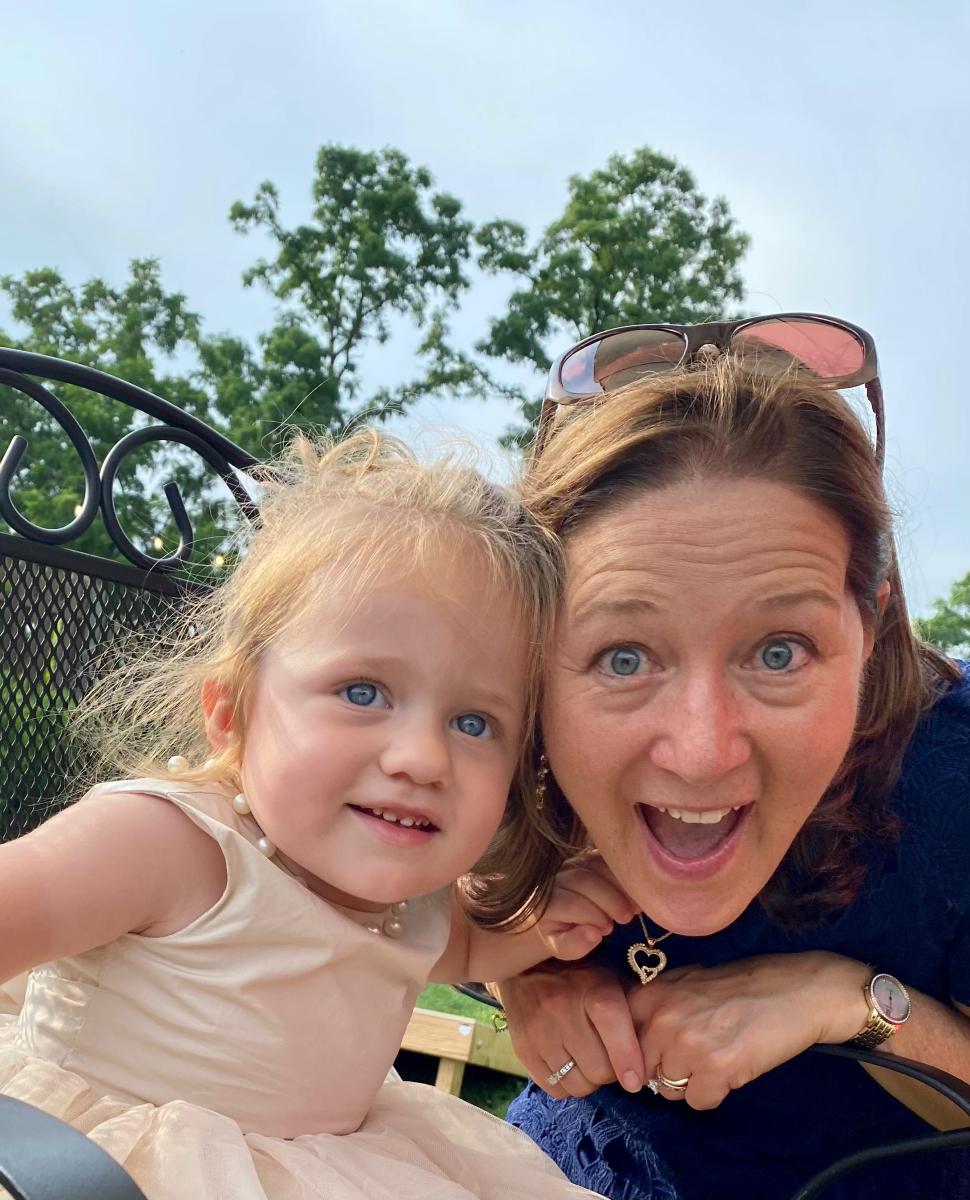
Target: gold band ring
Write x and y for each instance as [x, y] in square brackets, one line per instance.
[675, 1085]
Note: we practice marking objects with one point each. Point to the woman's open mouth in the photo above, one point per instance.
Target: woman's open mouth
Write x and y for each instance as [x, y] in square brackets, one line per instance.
[692, 843]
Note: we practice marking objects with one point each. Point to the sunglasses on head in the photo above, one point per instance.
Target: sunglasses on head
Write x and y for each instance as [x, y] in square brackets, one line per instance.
[835, 353]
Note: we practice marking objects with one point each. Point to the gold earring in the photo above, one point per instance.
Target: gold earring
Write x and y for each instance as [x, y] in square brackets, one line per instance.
[541, 778]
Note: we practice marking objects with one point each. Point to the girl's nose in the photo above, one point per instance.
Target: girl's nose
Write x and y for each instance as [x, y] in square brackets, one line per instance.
[417, 750]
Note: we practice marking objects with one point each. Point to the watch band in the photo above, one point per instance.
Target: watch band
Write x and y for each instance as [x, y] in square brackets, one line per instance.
[875, 1031]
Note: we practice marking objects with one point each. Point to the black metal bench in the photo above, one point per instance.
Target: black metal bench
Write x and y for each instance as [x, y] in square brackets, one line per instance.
[58, 607]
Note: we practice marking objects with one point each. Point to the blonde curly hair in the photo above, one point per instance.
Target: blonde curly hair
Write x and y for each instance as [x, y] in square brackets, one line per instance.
[335, 517]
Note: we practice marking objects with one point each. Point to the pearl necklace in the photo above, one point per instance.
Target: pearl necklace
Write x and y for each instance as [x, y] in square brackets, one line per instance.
[390, 924]
[263, 844]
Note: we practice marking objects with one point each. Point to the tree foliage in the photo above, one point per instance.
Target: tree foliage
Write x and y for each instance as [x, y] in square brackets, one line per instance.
[949, 626]
[382, 245]
[636, 243]
[382, 254]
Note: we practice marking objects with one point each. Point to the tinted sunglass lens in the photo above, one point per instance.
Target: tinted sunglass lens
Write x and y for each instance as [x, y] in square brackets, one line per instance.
[620, 358]
[829, 351]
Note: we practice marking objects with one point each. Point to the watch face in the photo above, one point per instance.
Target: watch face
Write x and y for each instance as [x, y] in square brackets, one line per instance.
[889, 997]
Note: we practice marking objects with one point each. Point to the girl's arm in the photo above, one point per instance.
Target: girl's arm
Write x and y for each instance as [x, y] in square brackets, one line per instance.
[584, 905]
[108, 866]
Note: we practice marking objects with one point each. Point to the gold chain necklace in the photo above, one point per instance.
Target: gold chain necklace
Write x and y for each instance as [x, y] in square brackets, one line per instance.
[656, 960]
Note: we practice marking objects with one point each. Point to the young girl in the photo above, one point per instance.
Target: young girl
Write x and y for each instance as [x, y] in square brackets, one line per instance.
[230, 945]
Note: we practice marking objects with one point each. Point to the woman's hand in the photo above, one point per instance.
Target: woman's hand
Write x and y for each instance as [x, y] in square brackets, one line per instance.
[720, 1027]
[574, 1014]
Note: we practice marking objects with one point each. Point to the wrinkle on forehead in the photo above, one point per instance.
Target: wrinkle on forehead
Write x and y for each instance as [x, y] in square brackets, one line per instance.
[747, 534]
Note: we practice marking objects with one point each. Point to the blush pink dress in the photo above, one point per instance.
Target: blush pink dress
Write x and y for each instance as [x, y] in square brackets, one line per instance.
[246, 1056]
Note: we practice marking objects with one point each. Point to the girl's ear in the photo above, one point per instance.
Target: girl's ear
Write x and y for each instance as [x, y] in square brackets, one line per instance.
[219, 713]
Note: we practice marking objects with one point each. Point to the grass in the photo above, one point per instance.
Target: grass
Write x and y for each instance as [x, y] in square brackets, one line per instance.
[442, 997]
[491, 1090]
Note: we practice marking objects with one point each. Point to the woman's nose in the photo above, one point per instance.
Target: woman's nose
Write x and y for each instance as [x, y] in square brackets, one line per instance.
[702, 736]
[418, 750]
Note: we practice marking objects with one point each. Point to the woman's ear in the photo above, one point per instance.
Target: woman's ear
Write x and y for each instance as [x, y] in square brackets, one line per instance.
[883, 592]
[219, 713]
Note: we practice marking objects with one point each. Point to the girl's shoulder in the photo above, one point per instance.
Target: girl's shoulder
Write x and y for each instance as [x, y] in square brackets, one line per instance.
[207, 805]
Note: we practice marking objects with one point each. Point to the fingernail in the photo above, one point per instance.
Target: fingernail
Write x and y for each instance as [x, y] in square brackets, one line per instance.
[631, 1081]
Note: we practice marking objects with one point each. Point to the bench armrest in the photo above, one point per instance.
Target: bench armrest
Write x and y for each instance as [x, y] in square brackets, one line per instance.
[41, 1158]
[955, 1090]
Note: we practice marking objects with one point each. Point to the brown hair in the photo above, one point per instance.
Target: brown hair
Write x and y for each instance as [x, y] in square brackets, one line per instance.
[725, 421]
[334, 517]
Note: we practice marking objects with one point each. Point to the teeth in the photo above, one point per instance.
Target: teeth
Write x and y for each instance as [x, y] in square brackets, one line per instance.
[407, 822]
[711, 817]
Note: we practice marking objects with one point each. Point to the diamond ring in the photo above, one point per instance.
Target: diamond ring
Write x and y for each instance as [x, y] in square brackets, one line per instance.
[555, 1077]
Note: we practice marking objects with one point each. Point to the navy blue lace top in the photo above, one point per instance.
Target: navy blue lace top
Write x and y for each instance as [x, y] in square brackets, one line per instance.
[768, 1138]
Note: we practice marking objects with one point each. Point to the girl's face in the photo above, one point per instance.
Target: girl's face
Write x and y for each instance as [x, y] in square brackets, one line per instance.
[382, 739]
[703, 689]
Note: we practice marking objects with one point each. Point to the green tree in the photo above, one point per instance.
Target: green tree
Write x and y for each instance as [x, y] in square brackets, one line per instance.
[949, 626]
[128, 332]
[637, 242]
[382, 247]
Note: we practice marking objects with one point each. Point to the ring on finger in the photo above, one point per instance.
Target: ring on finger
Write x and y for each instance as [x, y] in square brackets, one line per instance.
[556, 1076]
[675, 1085]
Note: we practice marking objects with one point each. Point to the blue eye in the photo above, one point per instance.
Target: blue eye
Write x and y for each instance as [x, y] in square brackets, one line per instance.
[472, 724]
[364, 695]
[625, 661]
[776, 656]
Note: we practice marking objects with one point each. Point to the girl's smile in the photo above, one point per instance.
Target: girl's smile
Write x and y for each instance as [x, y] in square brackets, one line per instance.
[381, 739]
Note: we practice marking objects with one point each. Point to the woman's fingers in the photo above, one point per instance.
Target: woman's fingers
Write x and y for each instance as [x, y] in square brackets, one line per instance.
[573, 1083]
[583, 1009]
[609, 1014]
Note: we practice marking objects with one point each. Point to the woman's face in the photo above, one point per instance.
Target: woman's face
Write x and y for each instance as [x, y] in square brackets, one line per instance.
[703, 688]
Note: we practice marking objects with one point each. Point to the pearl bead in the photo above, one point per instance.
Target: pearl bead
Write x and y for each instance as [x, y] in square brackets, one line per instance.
[393, 927]
[177, 763]
[241, 804]
[265, 846]
[373, 929]
[400, 908]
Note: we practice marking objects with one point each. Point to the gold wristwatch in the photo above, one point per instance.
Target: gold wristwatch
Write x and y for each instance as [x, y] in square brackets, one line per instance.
[889, 1007]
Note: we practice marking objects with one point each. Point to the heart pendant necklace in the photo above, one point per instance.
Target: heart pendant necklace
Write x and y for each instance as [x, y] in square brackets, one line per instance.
[653, 960]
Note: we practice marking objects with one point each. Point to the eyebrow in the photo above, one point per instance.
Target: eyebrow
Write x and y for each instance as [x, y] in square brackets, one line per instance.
[635, 605]
[622, 606]
[793, 599]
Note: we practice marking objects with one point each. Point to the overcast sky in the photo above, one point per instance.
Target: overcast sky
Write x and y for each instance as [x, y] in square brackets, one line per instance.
[838, 132]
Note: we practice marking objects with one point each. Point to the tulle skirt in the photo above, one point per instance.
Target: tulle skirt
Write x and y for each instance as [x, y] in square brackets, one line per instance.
[417, 1143]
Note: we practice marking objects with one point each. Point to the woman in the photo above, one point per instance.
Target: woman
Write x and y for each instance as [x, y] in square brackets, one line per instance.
[739, 719]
